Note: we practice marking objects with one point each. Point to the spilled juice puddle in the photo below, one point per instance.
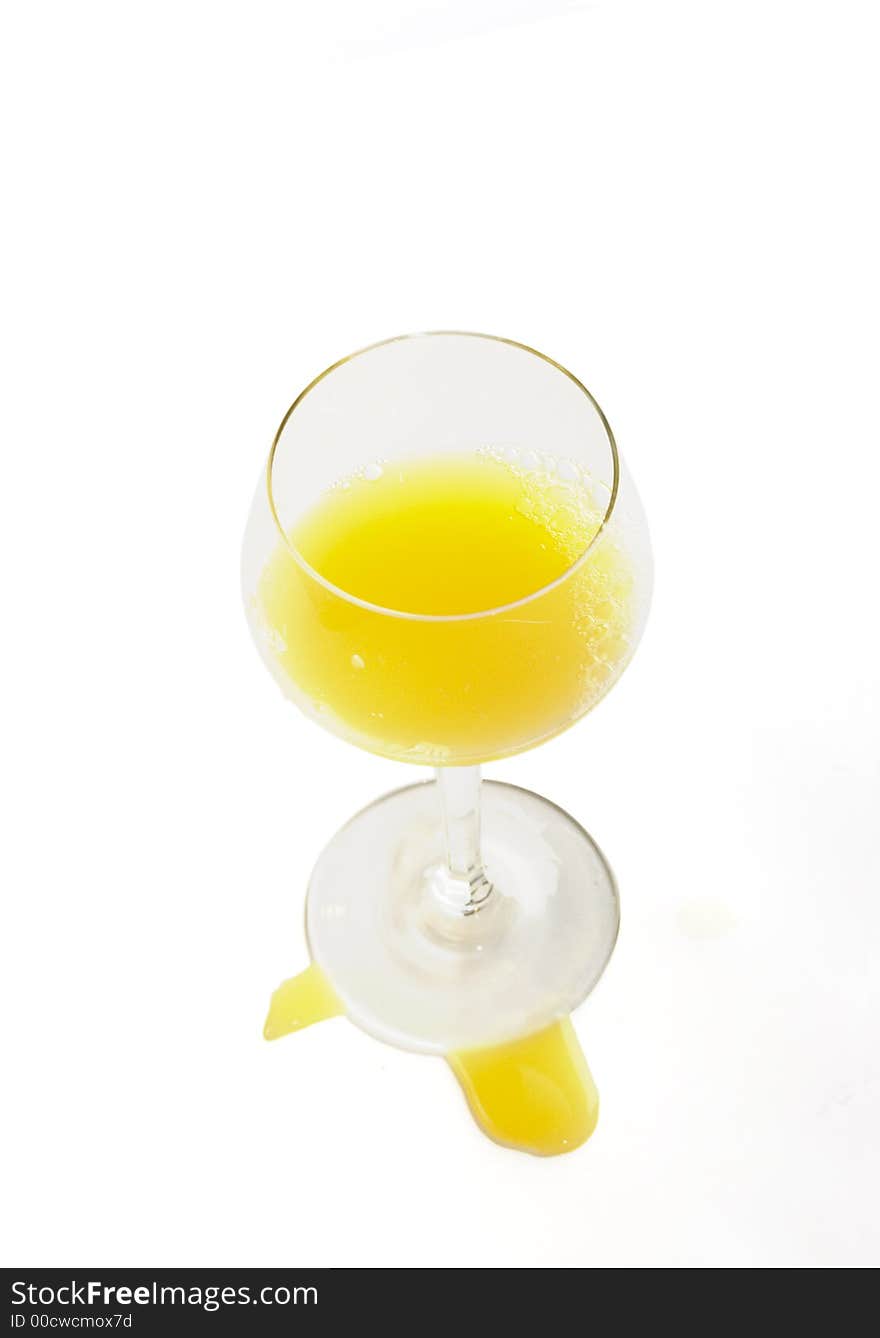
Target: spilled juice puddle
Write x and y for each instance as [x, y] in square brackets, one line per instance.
[300, 1001]
[536, 1094]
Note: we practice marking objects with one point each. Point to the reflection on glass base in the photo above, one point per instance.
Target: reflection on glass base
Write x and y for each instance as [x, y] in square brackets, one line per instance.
[426, 962]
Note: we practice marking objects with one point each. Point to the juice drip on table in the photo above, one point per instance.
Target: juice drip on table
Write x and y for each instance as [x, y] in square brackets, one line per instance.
[535, 1094]
[300, 1001]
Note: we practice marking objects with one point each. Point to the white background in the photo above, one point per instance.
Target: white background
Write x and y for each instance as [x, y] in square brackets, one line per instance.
[204, 205]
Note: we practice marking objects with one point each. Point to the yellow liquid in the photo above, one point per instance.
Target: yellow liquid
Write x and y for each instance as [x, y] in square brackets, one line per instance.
[300, 1001]
[441, 537]
[534, 1094]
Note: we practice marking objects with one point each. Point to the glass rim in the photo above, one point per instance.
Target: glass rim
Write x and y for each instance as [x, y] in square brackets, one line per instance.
[350, 598]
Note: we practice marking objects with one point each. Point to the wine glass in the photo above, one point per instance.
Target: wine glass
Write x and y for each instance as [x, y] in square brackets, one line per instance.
[456, 913]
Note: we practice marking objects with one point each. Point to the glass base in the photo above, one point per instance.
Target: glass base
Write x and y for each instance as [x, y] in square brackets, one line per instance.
[426, 962]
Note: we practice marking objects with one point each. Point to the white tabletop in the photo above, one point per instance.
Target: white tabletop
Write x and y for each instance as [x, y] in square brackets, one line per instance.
[212, 204]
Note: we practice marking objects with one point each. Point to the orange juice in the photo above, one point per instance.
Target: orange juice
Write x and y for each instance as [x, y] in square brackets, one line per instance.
[535, 1093]
[432, 636]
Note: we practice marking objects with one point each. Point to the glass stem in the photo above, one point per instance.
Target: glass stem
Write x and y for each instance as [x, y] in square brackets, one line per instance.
[459, 791]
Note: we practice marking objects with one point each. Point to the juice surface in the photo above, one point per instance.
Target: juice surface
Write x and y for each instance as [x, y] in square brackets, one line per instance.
[436, 538]
[444, 536]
